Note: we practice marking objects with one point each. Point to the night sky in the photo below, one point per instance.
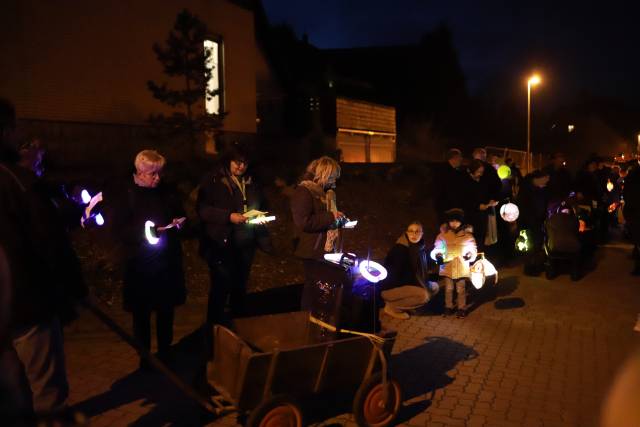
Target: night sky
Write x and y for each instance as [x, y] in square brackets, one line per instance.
[576, 45]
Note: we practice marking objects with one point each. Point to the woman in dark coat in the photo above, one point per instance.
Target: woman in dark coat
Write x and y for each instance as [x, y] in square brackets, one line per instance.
[477, 202]
[316, 218]
[406, 286]
[153, 276]
[228, 242]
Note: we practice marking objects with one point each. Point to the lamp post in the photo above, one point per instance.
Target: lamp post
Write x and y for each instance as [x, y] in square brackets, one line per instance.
[533, 81]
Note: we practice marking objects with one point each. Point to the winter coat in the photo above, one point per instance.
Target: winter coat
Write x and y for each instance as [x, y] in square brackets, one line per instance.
[562, 234]
[632, 202]
[407, 264]
[46, 278]
[532, 203]
[475, 193]
[560, 183]
[153, 274]
[588, 183]
[491, 182]
[312, 221]
[449, 185]
[218, 198]
[454, 245]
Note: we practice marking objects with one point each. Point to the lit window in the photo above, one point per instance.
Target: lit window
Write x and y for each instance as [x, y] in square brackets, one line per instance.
[213, 63]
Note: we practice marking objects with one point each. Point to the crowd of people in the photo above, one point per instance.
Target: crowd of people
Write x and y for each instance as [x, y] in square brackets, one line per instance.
[41, 281]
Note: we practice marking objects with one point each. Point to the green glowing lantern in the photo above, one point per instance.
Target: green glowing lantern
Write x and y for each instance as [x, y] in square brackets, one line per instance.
[504, 172]
[523, 243]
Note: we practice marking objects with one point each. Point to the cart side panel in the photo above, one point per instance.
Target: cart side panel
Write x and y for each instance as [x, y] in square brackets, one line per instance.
[347, 363]
[253, 380]
[297, 370]
[278, 331]
[230, 359]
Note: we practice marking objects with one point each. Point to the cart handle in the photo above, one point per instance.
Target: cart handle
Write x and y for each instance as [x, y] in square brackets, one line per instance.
[372, 337]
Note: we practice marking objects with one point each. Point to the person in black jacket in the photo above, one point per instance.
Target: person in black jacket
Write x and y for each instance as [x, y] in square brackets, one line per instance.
[153, 273]
[45, 283]
[406, 286]
[532, 202]
[631, 194]
[448, 179]
[228, 241]
[477, 201]
[560, 179]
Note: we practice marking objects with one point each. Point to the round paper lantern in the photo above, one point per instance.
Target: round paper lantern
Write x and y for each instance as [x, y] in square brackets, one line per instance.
[509, 212]
[504, 172]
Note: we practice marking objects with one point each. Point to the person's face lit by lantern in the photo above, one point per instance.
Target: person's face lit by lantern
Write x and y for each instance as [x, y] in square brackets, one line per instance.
[414, 233]
[238, 167]
[454, 224]
[477, 174]
[541, 182]
[456, 161]
[148, 175]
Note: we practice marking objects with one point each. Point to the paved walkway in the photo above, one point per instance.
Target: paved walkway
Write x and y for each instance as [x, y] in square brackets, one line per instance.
[543, 353]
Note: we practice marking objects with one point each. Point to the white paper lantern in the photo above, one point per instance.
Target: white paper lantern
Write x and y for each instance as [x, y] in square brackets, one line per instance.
[509, 212]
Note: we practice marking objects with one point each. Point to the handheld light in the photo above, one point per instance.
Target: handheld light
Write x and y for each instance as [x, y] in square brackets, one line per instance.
[150, 234]
[367, 267]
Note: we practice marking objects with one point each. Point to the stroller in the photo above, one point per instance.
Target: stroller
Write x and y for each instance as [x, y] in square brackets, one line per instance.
[562, 242]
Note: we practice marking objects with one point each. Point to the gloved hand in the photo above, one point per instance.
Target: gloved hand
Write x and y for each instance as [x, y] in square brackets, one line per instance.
[467, 256]
[439, 259]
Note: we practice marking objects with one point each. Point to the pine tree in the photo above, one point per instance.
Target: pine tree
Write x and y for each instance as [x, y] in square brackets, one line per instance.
[183, 55]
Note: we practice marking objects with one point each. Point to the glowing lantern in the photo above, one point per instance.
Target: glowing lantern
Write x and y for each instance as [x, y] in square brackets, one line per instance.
[439, 251]
[261, 219]
[85, 196]
[367, 267]
[99, 220]
[509, 212]
[582, 225]
[480, 270]
[609, 185]
[504, 172]
[522, 242]
[150, 233]
[612, 207]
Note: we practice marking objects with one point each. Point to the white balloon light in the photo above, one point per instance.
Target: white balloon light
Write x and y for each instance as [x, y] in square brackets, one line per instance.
[509, 212]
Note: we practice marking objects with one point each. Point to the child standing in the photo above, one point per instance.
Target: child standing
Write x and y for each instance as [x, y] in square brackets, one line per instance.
[454, 249]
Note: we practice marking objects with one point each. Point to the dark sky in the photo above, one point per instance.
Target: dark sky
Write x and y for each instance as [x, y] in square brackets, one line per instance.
[576, 45]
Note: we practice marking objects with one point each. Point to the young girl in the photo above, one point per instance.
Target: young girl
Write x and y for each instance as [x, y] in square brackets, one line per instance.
[454, 249]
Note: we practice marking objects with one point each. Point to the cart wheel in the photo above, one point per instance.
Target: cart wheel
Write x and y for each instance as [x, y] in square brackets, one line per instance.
[276, 411]
[369, 407]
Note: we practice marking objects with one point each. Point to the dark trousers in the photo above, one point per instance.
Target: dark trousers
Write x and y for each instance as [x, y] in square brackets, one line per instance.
[164, 328]
[229, 276]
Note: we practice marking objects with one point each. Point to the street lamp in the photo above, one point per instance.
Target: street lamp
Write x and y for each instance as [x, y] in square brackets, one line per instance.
[534, 80]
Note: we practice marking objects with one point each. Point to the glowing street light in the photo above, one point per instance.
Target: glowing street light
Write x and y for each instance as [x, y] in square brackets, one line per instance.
[534, 80]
